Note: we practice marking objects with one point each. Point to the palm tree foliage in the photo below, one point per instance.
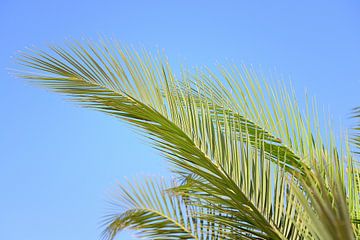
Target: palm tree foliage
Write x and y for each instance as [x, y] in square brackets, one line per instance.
[249, 164]
[356, 137]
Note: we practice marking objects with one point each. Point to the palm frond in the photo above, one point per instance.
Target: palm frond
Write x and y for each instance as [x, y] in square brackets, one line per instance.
[356, 136]
[325, 199]
[301, 142]
[146, 94]
[242, 152]
[153, 212]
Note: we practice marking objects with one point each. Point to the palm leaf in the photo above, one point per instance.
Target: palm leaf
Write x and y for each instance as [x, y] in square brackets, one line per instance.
[130, 97]
[226, 144]
[153, 212]
[356, 129]
[325, 200]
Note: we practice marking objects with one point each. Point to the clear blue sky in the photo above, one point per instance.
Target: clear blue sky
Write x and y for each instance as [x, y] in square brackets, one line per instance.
[58, 162]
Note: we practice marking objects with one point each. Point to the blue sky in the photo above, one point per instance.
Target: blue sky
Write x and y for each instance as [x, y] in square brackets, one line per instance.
[59, 162]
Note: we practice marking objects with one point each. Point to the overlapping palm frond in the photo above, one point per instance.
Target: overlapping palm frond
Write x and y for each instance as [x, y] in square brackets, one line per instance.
[325, 198]
[320, 165]
[155, 213]
[245, 151]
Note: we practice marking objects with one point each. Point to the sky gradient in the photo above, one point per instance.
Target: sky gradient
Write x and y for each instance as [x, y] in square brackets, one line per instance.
[59, 162]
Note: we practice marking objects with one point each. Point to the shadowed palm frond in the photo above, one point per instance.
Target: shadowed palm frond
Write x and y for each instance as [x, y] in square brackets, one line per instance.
[245, 149]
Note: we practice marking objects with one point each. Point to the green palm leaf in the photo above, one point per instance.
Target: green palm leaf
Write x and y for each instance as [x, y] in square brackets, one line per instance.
[247, 164]
[155, 213]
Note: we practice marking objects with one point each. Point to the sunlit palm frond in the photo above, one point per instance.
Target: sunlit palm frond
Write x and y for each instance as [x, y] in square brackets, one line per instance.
[147, 95]
[272, 109]
[274, 112]
[154, 213]
[244, 148]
